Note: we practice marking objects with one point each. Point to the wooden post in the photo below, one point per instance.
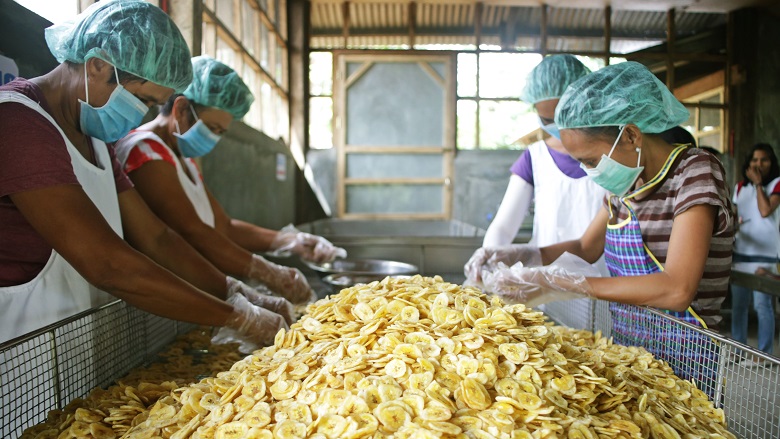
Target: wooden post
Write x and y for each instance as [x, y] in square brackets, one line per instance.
[607, 34]
[670, 39]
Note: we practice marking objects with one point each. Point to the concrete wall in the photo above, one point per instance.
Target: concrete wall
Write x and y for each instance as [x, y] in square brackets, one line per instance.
[756, 94]
[241, 173]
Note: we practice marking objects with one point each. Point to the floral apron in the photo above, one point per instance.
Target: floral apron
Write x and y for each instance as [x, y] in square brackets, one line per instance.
[690, 354]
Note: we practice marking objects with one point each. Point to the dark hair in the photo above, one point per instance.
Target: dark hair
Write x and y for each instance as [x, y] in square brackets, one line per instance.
[678, 135]
[608, 132]
[711, 150]
[774, 169]
[167, 108]
[124, 77]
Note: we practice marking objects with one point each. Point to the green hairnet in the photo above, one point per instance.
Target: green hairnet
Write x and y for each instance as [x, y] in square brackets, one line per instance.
[217, 85]
[549, 79]
[133, 35]
[617, 95]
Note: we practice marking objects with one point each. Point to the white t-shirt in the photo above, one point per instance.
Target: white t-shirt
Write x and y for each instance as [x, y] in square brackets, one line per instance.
[757, 236]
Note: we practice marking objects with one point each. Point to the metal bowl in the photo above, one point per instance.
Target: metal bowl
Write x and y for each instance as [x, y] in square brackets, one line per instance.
[373, 267]
[344, 280]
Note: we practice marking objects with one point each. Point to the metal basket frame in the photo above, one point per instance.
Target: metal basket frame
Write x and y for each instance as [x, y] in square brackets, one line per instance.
[748, 393]
[46, 369]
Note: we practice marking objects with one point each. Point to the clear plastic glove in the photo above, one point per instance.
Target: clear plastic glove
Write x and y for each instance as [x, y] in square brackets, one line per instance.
[564, 279]
[262, 297]
[251, 326]
[309, 247]
[287, 282]
[488, 258]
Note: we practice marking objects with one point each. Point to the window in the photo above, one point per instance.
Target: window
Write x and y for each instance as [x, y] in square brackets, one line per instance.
[250, 42]
[706, 123]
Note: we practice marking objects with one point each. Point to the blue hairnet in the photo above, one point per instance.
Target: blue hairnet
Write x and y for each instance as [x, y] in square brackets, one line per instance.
[617, 95]
[133, 35]
[217, 85]
[549, 79]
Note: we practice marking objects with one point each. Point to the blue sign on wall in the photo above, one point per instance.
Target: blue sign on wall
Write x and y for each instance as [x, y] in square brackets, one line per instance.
[8, 70]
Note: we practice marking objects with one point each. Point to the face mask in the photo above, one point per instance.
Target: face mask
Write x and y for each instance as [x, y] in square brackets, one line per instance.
[551, 128]
[116, 118]
[613, 176]
[198, 140]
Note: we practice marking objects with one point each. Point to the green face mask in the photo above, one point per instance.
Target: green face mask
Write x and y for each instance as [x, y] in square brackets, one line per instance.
[612, 175]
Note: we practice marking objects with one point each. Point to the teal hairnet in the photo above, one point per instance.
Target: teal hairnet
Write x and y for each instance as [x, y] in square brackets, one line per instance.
[217, 85]
[133, 35]
[549, 79]
[617, 95]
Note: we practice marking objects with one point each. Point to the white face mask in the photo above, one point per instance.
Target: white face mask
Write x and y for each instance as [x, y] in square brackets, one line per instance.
[612, 175]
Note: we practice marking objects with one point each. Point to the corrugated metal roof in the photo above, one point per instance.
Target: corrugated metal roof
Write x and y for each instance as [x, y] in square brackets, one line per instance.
[378, 23]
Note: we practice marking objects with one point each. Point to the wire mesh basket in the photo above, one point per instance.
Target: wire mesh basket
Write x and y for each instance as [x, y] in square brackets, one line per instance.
[743, 381]
[46, 369]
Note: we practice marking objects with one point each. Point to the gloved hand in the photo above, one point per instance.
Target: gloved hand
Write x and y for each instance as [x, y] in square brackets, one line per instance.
[287, 282]
[487, 258]
[249, 325]
[565, 279]
[309, 247]
[262, 297]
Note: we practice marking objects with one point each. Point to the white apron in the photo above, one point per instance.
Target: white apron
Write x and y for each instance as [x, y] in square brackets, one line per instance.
[193, 187]
[564, 207]
[59, 291]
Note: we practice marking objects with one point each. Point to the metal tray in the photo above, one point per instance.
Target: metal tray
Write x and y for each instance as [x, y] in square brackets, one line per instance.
[344, 280]
[375, 267]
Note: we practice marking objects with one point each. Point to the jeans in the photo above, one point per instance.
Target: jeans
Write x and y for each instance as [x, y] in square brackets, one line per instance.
[762, 303]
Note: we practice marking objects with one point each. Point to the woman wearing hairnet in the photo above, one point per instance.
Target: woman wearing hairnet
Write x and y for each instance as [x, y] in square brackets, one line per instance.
[546, 173]
[666, 231]
[158, 158]
[65, 203]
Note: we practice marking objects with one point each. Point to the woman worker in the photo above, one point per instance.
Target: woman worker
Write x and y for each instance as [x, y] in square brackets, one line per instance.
[546, 170]
[547, 175]
[666, 230]
[65, 203]
[158, 158]
[756, 247]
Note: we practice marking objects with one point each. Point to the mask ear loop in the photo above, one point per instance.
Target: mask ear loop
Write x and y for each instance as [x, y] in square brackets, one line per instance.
[614, 145]
[86, 82]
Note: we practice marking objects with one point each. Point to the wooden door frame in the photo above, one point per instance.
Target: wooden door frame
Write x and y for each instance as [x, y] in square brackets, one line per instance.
[447, 150]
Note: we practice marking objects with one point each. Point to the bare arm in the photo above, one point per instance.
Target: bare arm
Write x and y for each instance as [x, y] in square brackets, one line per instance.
[675, 287]
[589, 247]
[253, 238]
[766, 204]
[511, 213]
[147, 234]
[82, 236]
[159, 186]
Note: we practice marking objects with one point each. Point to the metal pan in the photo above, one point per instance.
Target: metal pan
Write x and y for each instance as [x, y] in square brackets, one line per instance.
[344, 280]
[374, 267]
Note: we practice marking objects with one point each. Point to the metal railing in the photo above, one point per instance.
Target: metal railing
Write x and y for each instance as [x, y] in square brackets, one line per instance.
[46, 369]
[741, 380]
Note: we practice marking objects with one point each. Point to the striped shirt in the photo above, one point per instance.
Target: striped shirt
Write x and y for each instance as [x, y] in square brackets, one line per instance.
[696, 177]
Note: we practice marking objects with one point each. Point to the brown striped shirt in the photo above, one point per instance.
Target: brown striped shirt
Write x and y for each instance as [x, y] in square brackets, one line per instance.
[696, 177]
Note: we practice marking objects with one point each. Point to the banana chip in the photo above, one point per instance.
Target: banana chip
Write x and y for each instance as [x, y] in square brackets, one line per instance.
[420, 358]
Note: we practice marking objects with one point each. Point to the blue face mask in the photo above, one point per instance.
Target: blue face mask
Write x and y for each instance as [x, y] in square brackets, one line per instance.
[109, 123]
[551, 128]
[612, 175]
[198, 140]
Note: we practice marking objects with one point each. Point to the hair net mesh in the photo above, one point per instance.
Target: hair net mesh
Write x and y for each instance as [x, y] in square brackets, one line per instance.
[549, 79]
[216, 85]
[133, 35]
[617, 95]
